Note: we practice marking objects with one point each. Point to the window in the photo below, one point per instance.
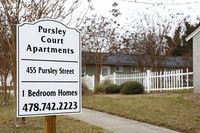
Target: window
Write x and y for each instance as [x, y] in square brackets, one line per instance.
[105, 71]
[119, 68]
[134, 69]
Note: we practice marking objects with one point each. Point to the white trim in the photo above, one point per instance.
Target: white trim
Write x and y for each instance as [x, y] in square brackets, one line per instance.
[192, 34]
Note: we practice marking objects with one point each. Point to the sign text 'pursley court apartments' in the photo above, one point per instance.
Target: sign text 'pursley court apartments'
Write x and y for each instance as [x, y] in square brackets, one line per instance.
[48, 69]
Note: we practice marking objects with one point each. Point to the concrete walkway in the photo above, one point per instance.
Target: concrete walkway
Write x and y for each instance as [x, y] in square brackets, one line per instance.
[118, 124]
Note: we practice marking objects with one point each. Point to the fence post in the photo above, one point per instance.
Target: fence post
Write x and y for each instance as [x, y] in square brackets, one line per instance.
[148, 81]
[93, 82]
[187, 79]
[87, 80]
[114, 78]
[164, 80]
[182, 78]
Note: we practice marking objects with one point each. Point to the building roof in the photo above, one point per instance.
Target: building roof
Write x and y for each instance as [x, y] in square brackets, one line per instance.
[179, 61]
[124, 59]
[193, 34]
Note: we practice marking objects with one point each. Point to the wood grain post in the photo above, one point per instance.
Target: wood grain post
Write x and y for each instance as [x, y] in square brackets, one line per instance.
[50, 124]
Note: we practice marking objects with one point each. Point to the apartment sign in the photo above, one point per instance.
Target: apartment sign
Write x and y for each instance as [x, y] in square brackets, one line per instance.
[48, 69]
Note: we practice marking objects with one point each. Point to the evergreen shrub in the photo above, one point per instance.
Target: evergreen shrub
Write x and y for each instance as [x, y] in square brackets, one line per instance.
[132, 87]
[112, 88]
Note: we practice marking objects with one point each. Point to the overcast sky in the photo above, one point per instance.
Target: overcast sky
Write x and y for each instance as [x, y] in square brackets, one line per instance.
[188, 7]
[129, 7]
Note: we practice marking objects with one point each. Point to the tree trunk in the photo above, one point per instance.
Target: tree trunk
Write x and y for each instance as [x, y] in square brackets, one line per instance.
[98, 74]
[4, 88]
[5, 93]
[18, 121]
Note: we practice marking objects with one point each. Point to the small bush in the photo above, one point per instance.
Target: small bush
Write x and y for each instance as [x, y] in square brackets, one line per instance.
[85, 89]
[133, 88]
[99, 88]
[112, 88]
[123, 84]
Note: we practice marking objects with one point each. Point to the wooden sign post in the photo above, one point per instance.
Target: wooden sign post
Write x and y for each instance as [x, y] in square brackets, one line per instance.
[50, 124]
[48, 71]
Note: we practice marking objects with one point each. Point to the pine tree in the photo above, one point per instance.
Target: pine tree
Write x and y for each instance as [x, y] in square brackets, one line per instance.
[181, 47]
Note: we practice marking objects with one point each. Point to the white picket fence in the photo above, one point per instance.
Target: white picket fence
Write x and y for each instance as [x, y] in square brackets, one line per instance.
[89, 81]
[154, 81]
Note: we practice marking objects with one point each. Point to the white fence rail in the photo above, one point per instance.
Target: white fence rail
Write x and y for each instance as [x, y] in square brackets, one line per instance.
[154, 81]
[89, 81]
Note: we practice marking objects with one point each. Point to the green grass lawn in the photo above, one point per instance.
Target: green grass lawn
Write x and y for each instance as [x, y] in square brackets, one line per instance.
[65, 124]
[177, 111]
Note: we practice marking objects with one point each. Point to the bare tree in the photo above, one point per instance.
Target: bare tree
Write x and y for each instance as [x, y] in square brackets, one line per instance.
[147, 43]
[4, 71]
[4, 65]
[99, 40]
[13, 12]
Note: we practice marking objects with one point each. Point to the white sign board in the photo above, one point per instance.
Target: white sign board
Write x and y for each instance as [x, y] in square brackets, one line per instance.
[48, 69]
